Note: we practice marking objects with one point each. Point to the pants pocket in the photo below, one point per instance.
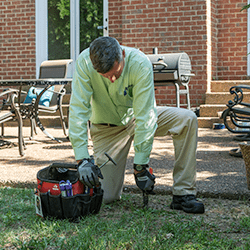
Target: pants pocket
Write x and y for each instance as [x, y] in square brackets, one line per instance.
[83, 203]
[80, 205]
[96, 201]
[92, 205]
[55, 206]
[71, 208]
[45, 204]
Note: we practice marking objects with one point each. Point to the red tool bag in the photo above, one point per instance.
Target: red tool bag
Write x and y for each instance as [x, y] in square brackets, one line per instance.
[78, 201]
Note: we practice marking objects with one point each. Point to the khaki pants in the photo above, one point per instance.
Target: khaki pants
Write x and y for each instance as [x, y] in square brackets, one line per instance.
[116, 141]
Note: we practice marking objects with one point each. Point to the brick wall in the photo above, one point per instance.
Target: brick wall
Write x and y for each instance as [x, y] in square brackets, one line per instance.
[177, 26]
[172, 26]
[232, 40]
[17, 39]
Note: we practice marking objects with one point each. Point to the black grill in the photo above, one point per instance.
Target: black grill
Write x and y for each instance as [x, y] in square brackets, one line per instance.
[172, 69]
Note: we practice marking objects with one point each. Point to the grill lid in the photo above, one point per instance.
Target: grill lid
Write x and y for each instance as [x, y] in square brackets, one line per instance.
[171, 68]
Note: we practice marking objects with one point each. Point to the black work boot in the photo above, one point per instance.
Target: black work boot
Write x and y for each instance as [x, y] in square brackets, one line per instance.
[188, 204]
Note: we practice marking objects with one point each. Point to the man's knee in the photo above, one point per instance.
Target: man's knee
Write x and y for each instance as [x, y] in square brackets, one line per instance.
[190, 113]
[191, 117]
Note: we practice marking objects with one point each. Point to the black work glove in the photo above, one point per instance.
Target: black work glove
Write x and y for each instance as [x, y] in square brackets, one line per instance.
[145, 181]
[89, 173]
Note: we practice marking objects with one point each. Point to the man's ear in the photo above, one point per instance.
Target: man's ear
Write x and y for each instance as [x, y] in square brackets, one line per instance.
[123, 53]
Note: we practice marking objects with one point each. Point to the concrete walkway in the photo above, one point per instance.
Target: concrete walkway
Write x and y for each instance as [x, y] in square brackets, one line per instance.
[219, 175]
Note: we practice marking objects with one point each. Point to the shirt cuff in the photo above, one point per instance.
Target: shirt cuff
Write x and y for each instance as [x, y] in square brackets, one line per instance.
[81, 153]
[141, 158]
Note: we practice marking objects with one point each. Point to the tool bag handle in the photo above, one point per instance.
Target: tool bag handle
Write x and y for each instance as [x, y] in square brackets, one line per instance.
[63, 165]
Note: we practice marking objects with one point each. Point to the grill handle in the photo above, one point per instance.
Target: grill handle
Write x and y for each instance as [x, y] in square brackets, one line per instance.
[188, 74]
[161, 64]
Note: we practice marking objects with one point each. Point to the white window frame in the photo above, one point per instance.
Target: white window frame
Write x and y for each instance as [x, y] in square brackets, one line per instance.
[74, 32]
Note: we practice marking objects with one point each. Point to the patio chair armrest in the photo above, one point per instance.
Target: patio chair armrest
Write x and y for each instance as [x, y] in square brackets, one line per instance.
[240, 87]
[8, 92]
[238, 92]
[62, 92]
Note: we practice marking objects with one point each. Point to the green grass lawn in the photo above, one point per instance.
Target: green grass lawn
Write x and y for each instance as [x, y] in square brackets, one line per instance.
[125, 225]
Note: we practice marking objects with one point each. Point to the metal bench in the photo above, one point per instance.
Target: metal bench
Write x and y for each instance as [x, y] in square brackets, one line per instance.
[237, 116]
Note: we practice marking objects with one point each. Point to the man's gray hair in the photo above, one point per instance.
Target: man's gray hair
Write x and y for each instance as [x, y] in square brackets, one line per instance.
[104, 51]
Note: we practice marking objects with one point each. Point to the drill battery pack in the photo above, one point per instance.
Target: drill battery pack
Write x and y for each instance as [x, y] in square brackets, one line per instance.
[52, 202]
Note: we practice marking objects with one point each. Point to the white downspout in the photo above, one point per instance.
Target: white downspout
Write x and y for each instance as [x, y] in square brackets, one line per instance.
[209, 47]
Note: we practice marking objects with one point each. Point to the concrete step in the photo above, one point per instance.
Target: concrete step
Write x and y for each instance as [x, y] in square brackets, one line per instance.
[224, 86]
[47, 121]
[223, 98]
[216, 101]
[207, 122]
[54, 122]
[211, 110]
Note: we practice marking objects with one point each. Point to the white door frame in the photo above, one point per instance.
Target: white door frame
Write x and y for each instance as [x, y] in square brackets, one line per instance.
[41, 33]
[74, 32]
[105, 18]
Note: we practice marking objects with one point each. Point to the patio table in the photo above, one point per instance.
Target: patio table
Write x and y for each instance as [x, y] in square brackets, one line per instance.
[46, 83]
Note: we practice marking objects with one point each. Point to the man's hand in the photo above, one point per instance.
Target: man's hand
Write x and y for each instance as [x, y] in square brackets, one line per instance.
[145, 181]
[89, 173]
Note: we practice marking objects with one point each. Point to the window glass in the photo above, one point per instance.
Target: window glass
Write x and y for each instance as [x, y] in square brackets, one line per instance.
[58, 29]
[91, 16]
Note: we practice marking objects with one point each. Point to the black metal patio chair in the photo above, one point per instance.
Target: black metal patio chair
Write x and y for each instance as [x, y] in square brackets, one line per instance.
[50, 99]
[11, 113]
[237, 115]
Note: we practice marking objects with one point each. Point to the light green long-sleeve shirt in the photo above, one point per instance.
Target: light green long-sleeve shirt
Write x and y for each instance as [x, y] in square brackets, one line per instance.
[95, 98]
